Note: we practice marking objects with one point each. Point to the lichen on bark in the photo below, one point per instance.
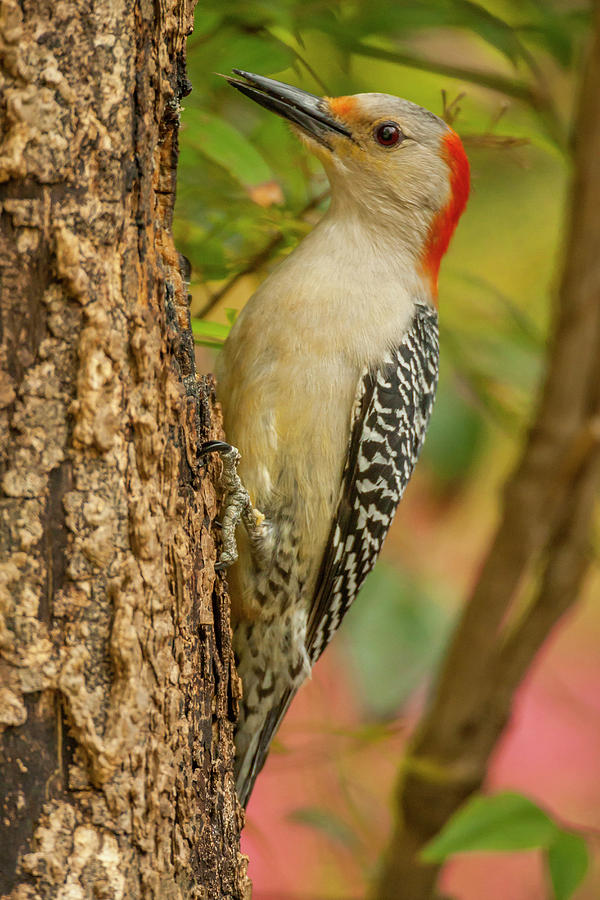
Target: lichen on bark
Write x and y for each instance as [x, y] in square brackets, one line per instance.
[117, 684]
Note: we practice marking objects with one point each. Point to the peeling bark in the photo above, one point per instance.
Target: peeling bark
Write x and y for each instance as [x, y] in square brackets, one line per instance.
[117, 684]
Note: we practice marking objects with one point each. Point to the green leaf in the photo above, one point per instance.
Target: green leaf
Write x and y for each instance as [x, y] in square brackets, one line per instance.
[506, 821]
[213, 345]
[225, 145]
[215, 331]
[568, 861]
[231, 314]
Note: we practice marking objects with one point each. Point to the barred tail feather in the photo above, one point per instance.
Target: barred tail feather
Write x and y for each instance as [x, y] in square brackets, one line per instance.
[272, 663]
[252, 742]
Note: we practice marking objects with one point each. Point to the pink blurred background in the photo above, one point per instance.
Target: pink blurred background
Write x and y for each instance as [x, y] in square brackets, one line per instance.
[327, 758]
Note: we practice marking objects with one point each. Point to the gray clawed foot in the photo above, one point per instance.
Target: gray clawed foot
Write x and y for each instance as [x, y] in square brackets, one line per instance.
[236, 504]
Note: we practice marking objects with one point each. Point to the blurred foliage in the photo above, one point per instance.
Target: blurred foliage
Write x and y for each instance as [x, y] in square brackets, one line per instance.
[510, 821]
[394, 637]
[326, 822]
[248, 191]
[455, 434]
[213, 334]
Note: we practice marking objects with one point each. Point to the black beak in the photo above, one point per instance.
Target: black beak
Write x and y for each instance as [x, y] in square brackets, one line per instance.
[311, 113]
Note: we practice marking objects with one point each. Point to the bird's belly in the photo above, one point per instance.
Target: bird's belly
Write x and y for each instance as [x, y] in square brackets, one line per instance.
[293, 440]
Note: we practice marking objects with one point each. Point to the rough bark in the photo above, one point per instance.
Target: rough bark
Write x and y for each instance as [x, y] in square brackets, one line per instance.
[117, 686]
[543, 540]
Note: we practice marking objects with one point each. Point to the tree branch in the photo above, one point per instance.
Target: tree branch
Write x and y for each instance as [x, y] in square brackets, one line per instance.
[546, 520]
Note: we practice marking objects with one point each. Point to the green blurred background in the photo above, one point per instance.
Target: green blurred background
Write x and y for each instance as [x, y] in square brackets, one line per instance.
[247, 192]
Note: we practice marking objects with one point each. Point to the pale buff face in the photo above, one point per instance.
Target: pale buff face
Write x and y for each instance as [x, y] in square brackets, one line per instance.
[412, 172]
[404, 184]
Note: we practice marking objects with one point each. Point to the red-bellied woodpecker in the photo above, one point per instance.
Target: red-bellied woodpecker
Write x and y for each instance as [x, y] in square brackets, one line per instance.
[327, 381]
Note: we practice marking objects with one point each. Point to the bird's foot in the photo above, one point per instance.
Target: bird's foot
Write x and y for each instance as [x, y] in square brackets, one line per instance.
[236, 504]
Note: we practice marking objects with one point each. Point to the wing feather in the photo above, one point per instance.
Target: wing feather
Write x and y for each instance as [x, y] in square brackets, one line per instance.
[391, 414]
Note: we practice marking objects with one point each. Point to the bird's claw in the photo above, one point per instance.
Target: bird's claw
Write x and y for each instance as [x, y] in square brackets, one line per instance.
[215, 447]
[236, 504]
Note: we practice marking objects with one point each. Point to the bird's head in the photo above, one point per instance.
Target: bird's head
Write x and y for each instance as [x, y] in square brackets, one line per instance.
[386, 158]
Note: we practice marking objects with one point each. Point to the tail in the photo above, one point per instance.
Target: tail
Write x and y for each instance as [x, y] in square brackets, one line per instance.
[272, 662]
[254, 734]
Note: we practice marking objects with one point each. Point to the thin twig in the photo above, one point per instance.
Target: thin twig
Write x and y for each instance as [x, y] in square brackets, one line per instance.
[451, 111]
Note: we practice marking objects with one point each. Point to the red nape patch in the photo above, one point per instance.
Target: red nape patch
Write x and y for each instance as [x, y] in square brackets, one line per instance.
[443, 225]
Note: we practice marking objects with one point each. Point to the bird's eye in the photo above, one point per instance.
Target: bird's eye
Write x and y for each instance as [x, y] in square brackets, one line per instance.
[388, 134]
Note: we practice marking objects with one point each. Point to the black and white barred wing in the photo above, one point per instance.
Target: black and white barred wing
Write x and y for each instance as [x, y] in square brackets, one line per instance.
[391, 415]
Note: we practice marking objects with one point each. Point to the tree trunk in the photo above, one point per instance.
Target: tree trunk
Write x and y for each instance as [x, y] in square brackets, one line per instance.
[117, 683]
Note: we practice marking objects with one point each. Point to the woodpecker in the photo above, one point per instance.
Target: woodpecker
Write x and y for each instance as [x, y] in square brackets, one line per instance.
[327, 382]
